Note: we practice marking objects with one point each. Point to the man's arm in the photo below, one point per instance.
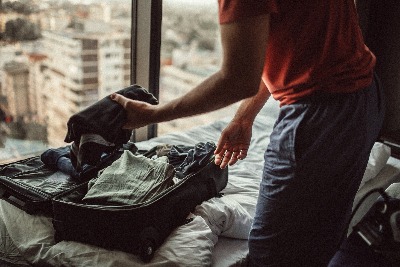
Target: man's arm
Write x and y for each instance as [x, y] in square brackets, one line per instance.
[250, 107]
[244, 44]
[234, 141]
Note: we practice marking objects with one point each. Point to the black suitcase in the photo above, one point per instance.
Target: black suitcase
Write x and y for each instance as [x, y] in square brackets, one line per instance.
[141, 228]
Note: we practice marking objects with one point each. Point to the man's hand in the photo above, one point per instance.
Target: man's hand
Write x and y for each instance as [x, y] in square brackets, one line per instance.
[139, 113]
[233, 143]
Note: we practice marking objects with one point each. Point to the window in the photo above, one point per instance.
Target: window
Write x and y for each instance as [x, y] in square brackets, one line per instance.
[156, 64]
[51, 66]
[66, 55]
[190, 52]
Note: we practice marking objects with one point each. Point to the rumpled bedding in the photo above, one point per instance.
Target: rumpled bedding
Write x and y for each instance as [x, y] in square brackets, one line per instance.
[217, 235]
[189, 245]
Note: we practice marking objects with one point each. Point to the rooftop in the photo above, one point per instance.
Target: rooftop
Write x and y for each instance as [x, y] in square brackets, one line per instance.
[15, 67]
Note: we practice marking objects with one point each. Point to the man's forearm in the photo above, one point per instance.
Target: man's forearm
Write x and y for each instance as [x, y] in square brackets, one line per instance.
[250, 107]
[215, 92]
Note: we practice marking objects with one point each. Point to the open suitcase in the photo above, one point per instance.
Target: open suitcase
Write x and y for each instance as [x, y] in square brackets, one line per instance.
[140, 228]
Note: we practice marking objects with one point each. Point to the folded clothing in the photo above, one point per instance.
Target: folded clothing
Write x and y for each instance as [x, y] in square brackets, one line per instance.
[131, 179]
[51, 156]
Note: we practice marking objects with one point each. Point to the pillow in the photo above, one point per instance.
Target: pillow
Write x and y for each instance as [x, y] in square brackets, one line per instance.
[226, 217]
[191, 244]
[378, 157]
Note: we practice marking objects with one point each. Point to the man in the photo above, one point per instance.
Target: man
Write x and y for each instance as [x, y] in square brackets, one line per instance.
[311, 57]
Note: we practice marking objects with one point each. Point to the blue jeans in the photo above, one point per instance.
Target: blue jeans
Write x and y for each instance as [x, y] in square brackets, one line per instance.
[314, 163]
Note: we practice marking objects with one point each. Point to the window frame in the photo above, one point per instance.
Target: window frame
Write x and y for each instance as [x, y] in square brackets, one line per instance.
[145, 54]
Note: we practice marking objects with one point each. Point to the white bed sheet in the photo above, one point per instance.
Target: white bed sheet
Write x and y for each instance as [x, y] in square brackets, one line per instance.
[216, 237]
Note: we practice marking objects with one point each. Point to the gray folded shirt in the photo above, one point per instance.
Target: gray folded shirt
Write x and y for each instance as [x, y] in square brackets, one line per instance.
[131, 179]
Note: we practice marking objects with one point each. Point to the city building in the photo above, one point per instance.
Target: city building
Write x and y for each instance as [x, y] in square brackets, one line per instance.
[20, 98]
[84, 64]
[37, 95]
[15, 86]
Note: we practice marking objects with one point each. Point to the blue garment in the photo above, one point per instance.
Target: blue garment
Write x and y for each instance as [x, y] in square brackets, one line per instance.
[314, 163]
[189, 159]
[59, 159]
[197, 158]
[51, 157]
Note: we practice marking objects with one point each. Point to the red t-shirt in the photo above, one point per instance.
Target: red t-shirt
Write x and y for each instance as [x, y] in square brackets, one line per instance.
[313, 45]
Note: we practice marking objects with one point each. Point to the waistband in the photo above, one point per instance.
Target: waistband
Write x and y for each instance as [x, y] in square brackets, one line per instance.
[321, 96]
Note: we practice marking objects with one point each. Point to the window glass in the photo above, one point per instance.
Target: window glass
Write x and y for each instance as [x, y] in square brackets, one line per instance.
[57, 58]
[190, 52]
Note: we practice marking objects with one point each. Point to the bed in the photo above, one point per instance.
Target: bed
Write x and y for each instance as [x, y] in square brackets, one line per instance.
[215, 237]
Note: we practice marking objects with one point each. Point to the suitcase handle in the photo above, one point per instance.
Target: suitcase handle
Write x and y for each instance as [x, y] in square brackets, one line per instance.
[11, 199]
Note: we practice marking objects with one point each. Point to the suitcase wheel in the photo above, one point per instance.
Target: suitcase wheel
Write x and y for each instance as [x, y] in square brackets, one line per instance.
[149, 239]
[147, 250]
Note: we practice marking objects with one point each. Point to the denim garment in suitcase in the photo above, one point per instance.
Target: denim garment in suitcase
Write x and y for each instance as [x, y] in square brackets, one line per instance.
[30, 184]
[139, 228]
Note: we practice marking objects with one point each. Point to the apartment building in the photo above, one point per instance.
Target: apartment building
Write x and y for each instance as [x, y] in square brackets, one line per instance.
[15, 84]
[84, 64]
[21, 97]
[36, 63]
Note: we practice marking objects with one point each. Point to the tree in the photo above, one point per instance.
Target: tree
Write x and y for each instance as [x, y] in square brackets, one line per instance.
[21, 29]
[19, 7]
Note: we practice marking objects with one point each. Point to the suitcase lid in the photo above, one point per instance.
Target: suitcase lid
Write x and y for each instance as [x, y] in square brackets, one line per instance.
[30, 185]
